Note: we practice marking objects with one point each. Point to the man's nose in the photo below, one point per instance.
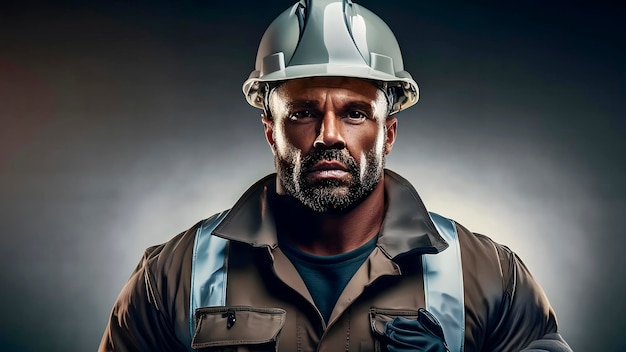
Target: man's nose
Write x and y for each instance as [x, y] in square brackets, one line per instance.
[330, 134]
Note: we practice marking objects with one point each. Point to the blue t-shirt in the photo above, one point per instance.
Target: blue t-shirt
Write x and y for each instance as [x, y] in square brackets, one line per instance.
[327, 276]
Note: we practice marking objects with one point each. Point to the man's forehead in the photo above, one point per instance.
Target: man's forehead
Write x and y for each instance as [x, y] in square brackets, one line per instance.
[308, 88]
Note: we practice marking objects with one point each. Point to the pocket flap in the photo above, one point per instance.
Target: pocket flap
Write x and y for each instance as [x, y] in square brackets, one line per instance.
[379, 317]
[230, 326]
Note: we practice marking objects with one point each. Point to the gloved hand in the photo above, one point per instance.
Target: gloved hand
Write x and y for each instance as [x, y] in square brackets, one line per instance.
[421, 334]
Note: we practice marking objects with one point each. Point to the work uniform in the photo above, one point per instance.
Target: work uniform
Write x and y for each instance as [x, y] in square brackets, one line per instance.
[267, 305]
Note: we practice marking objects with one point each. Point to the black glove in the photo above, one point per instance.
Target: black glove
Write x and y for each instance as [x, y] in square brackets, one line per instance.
[421, 334]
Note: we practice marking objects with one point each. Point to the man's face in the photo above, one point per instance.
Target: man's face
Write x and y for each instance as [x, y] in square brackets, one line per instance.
[329, 136]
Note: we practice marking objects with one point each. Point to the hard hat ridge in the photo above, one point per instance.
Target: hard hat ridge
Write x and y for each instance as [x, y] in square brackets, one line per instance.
[326, 36]
[330, 38]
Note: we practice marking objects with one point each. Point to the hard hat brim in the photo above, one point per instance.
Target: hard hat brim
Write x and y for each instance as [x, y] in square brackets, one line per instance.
[252, 86]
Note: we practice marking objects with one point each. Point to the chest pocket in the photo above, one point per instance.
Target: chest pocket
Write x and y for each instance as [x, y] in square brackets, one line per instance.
[237, 329]
[379, 318]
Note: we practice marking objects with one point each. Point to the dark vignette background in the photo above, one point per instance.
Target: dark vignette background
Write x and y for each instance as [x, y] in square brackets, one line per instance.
[123, 123]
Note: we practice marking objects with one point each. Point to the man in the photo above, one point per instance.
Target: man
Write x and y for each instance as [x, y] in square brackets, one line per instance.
[333, 252]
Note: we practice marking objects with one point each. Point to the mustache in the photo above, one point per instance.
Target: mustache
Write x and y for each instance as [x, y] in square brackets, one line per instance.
[318, 155]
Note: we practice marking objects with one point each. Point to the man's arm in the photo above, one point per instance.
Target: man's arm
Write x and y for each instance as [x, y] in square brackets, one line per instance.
[526, 318]
[549, 343]
[138, 321]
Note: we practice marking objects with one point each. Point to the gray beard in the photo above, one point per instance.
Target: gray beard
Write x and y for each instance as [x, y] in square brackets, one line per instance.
[330, 195]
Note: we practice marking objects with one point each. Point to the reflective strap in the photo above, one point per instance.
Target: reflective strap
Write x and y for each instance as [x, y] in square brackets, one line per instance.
[443, 284]
[208, 269]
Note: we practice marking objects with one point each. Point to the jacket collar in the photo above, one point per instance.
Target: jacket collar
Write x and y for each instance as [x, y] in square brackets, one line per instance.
[407, 227]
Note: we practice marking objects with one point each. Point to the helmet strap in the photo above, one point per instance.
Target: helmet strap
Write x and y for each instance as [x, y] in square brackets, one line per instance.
[390, 95]
[267, 91]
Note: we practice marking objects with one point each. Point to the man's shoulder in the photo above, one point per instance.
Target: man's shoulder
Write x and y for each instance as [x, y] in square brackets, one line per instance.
[478, 251]
[478, 242]
[486, 259]
[176, 254]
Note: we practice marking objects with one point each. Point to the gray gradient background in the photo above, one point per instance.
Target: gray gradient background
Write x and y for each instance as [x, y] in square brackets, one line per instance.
[123, 123]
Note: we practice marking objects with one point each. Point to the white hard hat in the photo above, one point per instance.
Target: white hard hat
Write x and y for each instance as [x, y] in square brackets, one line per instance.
[330, 38]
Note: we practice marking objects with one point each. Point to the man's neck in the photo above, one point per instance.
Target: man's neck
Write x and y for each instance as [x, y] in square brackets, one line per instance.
[332, 232]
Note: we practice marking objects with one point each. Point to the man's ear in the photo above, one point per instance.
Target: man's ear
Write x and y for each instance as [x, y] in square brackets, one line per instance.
[391, 124]
[268, 127]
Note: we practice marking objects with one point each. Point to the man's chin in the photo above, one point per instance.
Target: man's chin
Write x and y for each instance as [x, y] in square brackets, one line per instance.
[328, 185]
[329, 199]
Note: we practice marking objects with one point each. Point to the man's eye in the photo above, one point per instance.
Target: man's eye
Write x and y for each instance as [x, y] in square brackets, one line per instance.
[356, 115]
[304, 114]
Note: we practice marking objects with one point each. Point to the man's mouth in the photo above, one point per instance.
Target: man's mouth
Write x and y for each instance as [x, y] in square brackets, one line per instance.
[329, 165]
[328, 169]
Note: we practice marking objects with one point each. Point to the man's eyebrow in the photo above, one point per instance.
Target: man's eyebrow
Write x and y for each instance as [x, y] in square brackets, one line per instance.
[358, 105]
[303, 104]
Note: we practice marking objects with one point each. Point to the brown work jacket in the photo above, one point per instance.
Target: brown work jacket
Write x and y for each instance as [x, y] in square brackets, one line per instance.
[505, 308]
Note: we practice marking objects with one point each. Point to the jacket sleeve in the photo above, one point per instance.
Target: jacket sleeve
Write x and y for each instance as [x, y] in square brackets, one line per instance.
[527, 321]
[549, 342]
[138, 321]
